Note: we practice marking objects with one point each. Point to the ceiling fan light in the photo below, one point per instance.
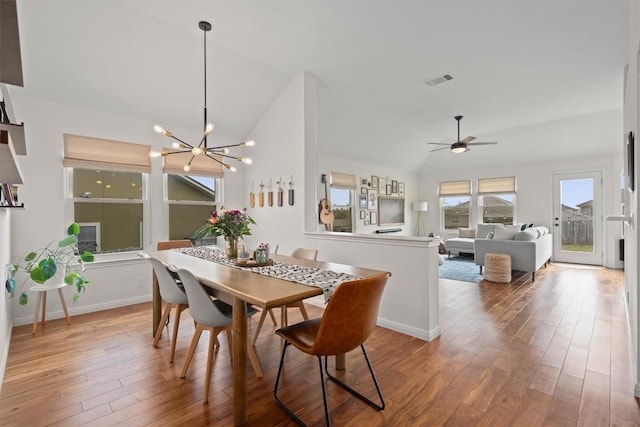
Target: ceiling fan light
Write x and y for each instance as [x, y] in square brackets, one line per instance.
[458, 147]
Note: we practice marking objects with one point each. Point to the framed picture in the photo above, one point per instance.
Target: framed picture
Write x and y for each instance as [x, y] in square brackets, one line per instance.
[372, 200]
[366, 222]
[364, 182]
[388, 189]
[364, 190]
[362, 214]
[390, 210]
[382, 184]
[374, 181]
[394, 187]
[362, 201]
[401, 189]
[373, 217]
[631, 162]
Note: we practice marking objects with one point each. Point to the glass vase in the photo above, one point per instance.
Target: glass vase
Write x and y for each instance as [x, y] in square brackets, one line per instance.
[232, 248]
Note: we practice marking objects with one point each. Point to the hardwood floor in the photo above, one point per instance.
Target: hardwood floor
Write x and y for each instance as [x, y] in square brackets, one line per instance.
[555, 352]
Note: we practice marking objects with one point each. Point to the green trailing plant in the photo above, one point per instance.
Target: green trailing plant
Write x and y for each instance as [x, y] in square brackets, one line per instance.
[43, 264]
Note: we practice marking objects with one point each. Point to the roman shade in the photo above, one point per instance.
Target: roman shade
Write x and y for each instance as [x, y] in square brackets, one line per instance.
[455, 188]
[343, 180]
[96, 153]
[497, 185]
[200, 166]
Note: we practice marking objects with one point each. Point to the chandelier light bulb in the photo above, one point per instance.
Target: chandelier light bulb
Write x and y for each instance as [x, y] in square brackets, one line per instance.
[232, 168]
[249, 143]
[155, 154]
[224, 151]
[208, 129]
[245, 160]
[159, 129]
[186, 168]
[196, 151]
[176, 145]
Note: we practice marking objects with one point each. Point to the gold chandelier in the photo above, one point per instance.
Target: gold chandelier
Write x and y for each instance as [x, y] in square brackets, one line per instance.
[218, 153]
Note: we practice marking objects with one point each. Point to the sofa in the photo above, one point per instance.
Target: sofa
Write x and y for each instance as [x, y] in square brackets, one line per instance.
[529, 247]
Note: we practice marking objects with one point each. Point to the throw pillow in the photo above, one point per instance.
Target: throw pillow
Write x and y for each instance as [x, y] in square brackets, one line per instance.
[489, 236]
[526, 235]
[468, 233]
[504, 234]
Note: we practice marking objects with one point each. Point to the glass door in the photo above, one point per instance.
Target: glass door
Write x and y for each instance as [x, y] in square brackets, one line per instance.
[577, 218]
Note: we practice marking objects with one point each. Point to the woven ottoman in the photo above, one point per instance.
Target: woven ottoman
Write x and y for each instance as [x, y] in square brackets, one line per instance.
[497, 268]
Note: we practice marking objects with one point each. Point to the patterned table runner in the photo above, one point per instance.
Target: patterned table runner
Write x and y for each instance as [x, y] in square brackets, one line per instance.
[327, 280]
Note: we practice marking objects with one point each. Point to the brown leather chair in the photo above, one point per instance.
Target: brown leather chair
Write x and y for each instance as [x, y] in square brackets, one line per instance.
[297, 253]
[348, 320]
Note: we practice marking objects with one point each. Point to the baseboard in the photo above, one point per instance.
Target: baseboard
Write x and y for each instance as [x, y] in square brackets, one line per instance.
[59, 314]
[5, 353]
[423, 334]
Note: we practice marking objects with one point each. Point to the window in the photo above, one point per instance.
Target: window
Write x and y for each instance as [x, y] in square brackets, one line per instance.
[342, 201]
[497, 200]
[191, 200]
[455, 204]
[107, 190]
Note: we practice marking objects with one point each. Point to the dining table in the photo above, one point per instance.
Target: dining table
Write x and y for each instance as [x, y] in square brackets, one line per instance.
[241, 286]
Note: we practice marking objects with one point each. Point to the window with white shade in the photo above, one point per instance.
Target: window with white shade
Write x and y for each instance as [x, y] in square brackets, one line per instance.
[455, 204]
[107, 191]
[343, 188]
[191, 200]
[497, 200]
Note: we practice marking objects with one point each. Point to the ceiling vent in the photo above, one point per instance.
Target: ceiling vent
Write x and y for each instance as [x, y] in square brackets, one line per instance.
[438, 80]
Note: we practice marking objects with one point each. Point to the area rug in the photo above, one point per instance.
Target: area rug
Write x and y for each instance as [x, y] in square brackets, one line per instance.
[460, 268]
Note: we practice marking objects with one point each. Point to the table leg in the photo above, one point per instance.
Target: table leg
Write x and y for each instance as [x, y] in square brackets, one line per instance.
[157, 305]
[239, 362]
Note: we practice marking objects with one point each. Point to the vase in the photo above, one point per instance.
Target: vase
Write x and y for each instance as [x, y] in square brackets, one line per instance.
[232, 248]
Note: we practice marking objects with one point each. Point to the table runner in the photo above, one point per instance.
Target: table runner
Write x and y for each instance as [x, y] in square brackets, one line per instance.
[326, 280]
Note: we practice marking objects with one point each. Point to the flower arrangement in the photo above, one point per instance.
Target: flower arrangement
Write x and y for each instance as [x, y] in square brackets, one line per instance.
[231, 224]
[43, 264]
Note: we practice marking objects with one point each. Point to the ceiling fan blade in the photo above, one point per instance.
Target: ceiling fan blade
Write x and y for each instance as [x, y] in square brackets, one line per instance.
[468, 139]
[482, 143]
[439, 143]
[439, 149]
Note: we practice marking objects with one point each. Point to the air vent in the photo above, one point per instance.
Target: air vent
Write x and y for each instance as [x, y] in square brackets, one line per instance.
[438, 80]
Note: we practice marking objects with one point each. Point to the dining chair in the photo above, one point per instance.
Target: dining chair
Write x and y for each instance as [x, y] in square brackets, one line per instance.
[301, 253]
[348, 320]
[215, 316]
[174, 298]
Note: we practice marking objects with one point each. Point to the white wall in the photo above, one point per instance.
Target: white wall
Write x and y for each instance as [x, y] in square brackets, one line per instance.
[5, 302]
[535, 192]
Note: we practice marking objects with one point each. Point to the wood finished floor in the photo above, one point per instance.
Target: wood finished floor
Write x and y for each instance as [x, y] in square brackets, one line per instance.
[555, 352]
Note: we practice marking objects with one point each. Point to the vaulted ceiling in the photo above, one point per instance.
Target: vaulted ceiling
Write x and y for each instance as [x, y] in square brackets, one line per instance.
[538, 76]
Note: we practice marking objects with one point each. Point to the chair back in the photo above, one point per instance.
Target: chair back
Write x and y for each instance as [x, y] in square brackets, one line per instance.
[202, 308]
[169, 290]
[173, 244]
[305, 253]
[350, 316]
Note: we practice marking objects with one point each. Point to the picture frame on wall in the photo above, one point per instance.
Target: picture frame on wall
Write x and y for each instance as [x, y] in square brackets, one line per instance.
[366, 222]
[401, 189]
[388, 190]
[362, 214]
[364, 182]
[373, 217]
[394, 187]
[362, 201]
[382, 185]
[364, 190]
[372, 200]
[374, 181]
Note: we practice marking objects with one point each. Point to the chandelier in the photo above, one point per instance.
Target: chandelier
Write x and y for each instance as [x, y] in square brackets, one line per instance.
[219, 153]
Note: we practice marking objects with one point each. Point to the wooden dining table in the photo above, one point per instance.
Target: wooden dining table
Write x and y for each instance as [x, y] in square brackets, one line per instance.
[240, 287]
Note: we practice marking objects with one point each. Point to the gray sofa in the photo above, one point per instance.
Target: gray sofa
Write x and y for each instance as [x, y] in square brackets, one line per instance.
[465, 241]
[529, 249]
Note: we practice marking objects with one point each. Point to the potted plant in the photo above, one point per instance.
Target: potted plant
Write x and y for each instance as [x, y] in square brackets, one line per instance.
[43, 264]
[231, 224]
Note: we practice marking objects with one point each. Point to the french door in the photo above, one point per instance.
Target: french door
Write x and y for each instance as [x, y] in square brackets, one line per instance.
[577, 218]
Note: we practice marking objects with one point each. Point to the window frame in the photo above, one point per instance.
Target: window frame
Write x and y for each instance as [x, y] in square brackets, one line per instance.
[351, 204]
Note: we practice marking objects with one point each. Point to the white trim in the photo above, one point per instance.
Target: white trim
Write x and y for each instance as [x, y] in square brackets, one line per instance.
[422, 334]
[375, 238]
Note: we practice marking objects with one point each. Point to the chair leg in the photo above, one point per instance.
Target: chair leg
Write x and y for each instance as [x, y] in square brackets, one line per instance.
[253, 358]
[229, 341]
[165, 316]
[352, 391]
[207, 380]
[176, 324]
[192, 349]
[273, 317]
[263, 316]
[64, 306]
[303, 310]
[284, 406]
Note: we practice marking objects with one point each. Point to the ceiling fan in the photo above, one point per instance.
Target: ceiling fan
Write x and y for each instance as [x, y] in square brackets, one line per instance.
[460, 146]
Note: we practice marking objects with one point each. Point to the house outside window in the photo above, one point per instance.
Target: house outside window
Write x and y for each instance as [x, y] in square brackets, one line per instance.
[191, 200]
[455, 204]
[342, 192]
[107, 192]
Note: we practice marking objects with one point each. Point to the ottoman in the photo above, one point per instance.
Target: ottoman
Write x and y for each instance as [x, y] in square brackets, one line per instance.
[497, 268]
